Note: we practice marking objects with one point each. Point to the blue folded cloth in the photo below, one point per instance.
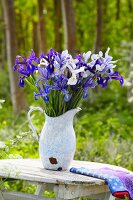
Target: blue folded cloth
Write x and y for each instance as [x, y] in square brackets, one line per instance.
[120, 182]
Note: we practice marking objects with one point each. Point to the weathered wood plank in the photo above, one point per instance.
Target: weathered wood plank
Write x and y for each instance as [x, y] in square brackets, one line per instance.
[102, 196]
[32, 170]
[1, 196]
[40, 189]
[22, 196]
[73, 191]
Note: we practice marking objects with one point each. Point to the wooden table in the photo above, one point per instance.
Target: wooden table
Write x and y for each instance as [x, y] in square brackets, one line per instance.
[65, 184]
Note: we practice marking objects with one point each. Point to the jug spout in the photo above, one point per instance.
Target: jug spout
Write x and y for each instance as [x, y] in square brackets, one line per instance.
[74, 111]
[69, 115]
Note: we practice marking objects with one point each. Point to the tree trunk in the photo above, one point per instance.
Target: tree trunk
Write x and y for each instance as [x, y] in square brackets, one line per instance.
[17, 96]
[130, 77]
[42, 28]
[105, 7]
[3, 51]
[129, 5]
[20, 30]
[69, 25]
[58, 25]
[98, 43]
[2, 40]
[117, 9]
[130, 8]
[35, 37]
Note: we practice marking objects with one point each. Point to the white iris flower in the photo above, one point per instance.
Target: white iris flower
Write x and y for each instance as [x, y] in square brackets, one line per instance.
[100, 67]
[72, 67]
[43, 63]
[86, 56]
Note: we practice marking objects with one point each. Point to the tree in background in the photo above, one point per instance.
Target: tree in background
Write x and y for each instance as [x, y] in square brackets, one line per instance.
[117, 9]
[35, 37]
[35, 30]
[99, 25]
[2, 41]
[17, 95]
[42, 29]
[130, 9]
[68, 16]
[58, 25]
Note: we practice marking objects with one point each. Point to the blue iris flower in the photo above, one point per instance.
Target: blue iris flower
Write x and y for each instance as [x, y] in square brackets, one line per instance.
[89, 83]
[41, 94]
[116, 76]
[25, 67]
[85, 93]
[21, 81]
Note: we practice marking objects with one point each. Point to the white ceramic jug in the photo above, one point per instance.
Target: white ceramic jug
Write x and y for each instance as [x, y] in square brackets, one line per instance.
[57, 143]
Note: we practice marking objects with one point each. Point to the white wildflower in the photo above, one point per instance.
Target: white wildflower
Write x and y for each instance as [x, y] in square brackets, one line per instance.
[15, 156]
[2, 145]
[130, 99]
[131, 74]
[1, 102]
[127, 83]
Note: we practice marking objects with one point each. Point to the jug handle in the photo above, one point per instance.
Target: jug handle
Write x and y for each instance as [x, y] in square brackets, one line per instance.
[30, 121]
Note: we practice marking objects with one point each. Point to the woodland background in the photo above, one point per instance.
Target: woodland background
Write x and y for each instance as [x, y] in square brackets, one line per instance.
[104, 128]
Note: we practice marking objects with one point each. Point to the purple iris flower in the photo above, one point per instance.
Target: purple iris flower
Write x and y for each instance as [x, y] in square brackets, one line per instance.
[25, 67]
[50, 59]
[47, 88]
[41, 55]
[98, 62]
[61, 82]
[85, 93]
[89, 83]
[61, 59]
[32, 58]
[51, 54]
[44, 73]
[44, 96]
[61, 85]
[104, 82]
[43, 90]
[50, 68]
[79, 61]
[116, 76]
[66, 94]
[21, 81]
[79, 57]
[99, 79]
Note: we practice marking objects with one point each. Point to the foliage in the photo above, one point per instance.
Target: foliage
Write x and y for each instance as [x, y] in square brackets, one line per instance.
[104, 127]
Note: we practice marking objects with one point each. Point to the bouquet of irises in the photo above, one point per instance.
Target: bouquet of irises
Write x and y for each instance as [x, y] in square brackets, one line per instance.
[61, 81]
